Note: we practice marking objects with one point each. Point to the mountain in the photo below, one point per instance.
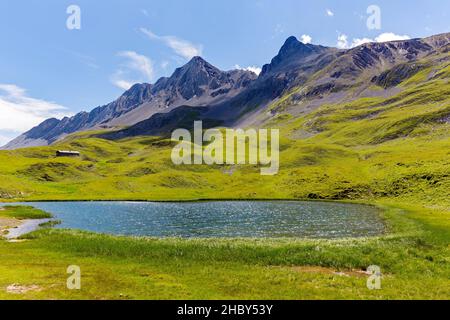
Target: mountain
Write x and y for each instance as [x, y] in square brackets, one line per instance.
[197, 83]
[302, 77]
[297, 81]
[291, 67]
[292, 54]
[371, 123]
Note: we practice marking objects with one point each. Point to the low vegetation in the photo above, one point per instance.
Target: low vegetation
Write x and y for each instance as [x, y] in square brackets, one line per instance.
[413, 258]
[23, 212]
[367, 149]
[393, 152]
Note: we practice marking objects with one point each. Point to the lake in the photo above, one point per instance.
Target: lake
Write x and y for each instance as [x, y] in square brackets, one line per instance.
[222, 219]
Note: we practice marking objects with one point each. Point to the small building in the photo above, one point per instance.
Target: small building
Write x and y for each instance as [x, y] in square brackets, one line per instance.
[63, 153]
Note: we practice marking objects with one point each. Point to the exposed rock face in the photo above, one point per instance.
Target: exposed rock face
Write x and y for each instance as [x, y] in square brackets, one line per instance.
[396, 75]
[233, 97]
[292, 53]
[319, 71]
[34, 137]
[292, 66]
[163, 123]
[195, 84]
[198, 78]
[132, 98]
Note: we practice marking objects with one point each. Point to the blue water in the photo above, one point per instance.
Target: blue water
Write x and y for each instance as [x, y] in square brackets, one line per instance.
[222, 219]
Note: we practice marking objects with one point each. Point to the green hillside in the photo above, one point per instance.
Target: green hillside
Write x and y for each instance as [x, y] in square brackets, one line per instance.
[394, 149]
[390, 151]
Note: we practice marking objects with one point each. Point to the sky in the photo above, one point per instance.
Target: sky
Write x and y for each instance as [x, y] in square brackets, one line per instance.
[60, 57]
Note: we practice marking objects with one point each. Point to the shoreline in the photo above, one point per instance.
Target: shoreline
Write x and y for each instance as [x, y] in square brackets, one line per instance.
[6, 224]
[210, 261]
[380, 212]
[362, 202]
[18, 227]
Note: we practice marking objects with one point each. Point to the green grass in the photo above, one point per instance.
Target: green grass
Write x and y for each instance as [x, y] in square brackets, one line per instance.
[393, 152]
[23, 212]
[362, 150]
[413, 258]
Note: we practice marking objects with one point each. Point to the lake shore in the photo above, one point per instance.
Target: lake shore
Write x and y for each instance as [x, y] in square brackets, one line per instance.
[220, 219]
[8, 223]
[412, 258]
[12, 229]
[16, 221]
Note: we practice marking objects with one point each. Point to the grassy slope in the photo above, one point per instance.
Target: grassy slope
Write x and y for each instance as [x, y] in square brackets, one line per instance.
[368, 149]
[394, 152]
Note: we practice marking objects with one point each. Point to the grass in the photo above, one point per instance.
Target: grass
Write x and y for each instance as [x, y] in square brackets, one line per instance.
[413, 258]
[23, 212]
[393, 152]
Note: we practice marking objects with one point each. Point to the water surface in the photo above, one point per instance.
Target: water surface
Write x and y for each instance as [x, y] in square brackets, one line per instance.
[219, 218]
[27, 226]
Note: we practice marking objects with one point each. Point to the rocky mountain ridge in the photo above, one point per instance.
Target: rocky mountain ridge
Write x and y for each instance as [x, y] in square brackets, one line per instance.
[310, 75]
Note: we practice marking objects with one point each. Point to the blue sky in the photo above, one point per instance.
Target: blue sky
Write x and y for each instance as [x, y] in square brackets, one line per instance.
[49, 70]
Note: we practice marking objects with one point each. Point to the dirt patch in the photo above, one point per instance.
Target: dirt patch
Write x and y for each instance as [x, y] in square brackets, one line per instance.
[6, 223]
[19, 289]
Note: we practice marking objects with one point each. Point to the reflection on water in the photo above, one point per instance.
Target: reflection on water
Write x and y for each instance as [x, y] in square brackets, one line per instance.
[219, 218]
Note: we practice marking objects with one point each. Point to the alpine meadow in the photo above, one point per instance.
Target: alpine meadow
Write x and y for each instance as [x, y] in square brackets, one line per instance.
[361, 125]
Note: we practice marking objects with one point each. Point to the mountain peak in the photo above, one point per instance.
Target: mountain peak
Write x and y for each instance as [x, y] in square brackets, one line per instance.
[293, 46]
[195, 65]
[230, 94]
[197, 59]
[292, 40]
[197, 62]
[200, 78]
[292, 50]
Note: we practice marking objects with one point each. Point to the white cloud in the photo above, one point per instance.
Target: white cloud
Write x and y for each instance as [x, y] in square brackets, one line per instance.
[343, 42]
[330, 13]
[139, 63]
[181, 47]
[357, 42]
[19, 112]
[256, 70]
[305, 39]
[389, 36]
[137, 66]
[121, 83]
